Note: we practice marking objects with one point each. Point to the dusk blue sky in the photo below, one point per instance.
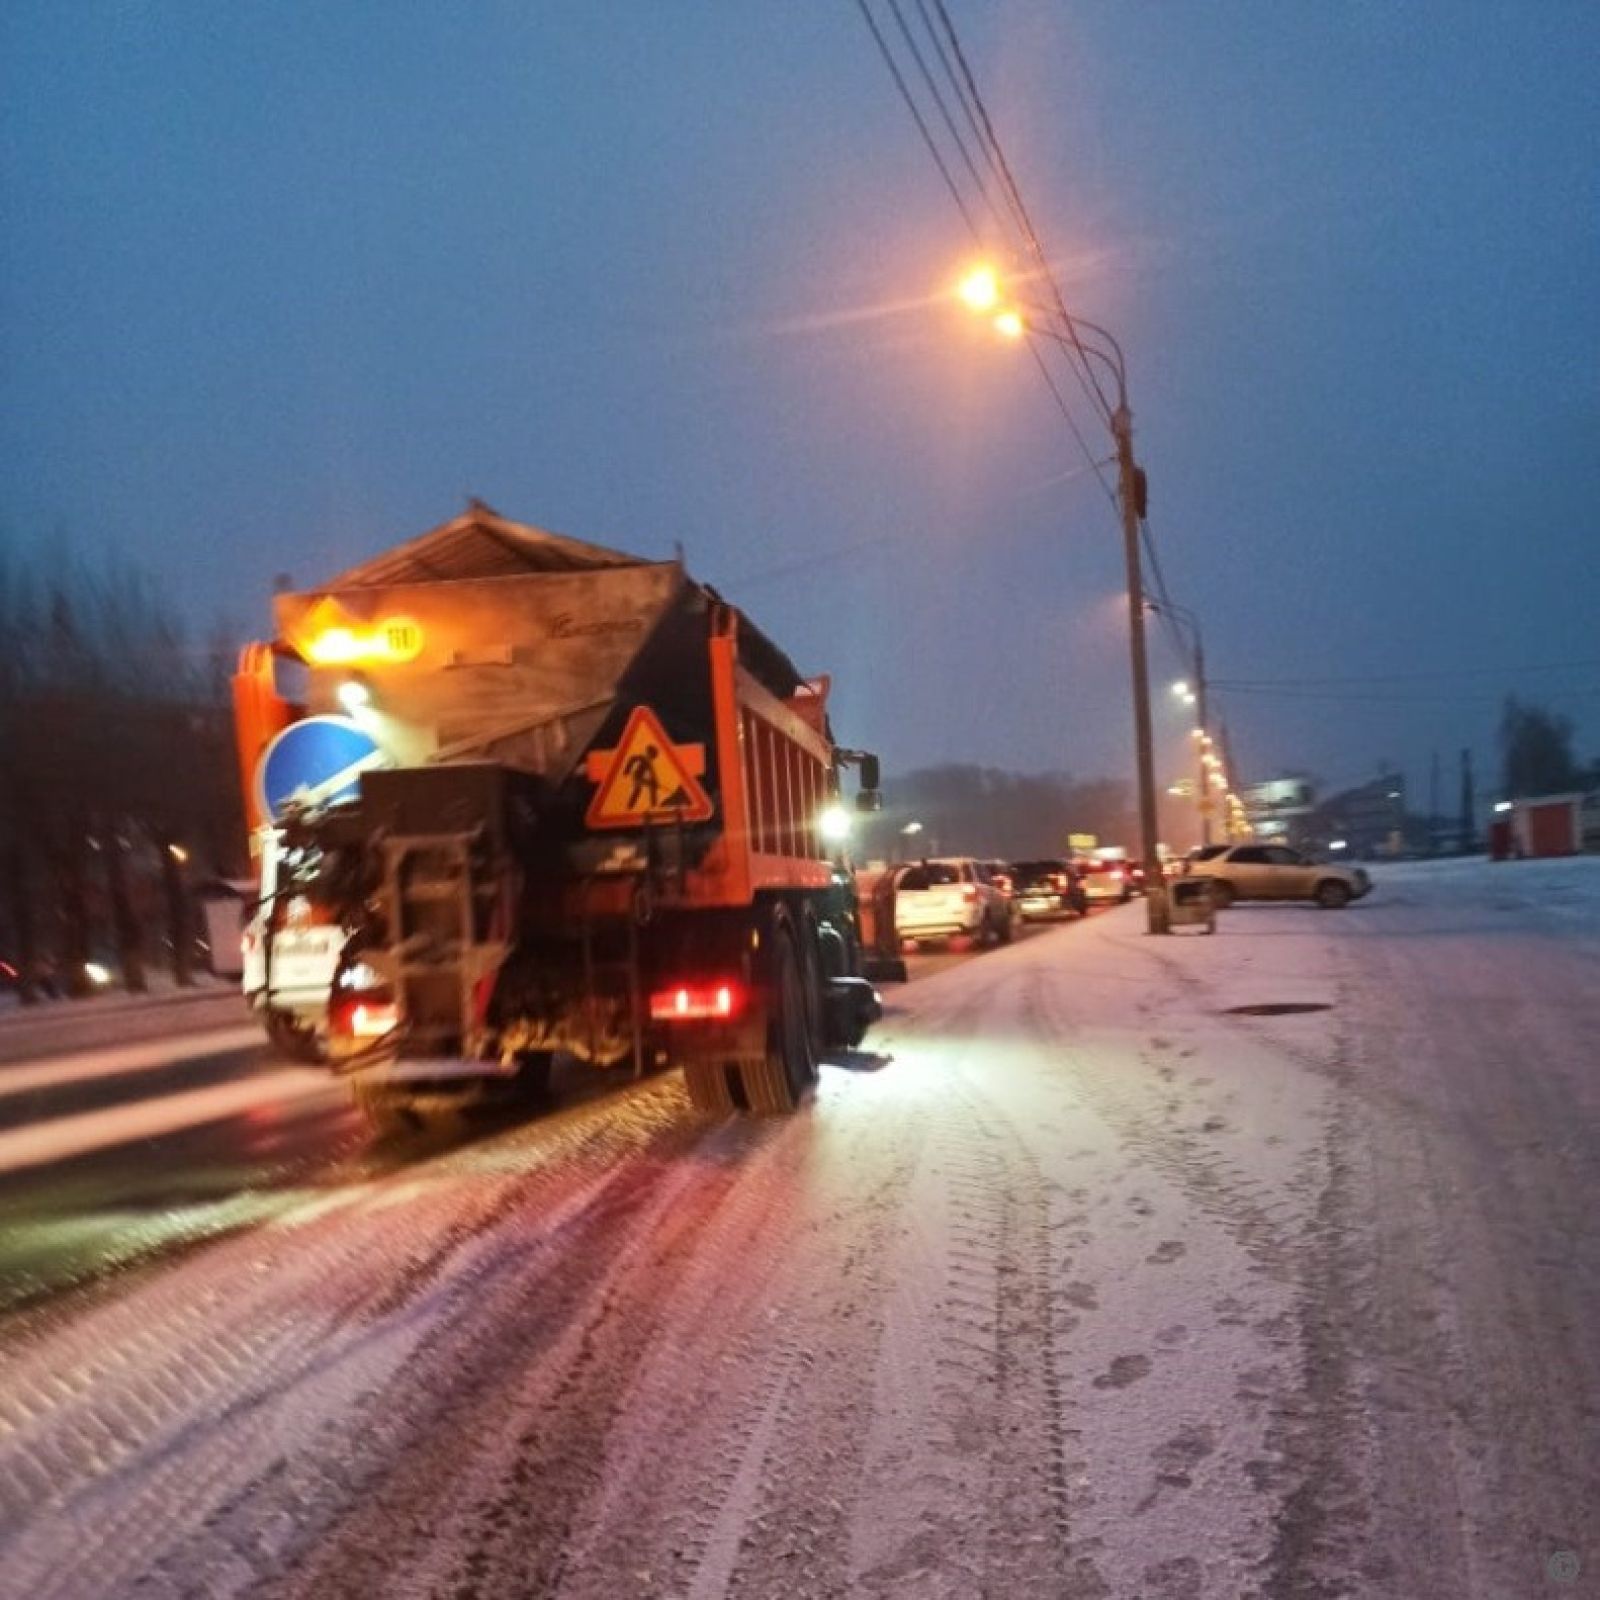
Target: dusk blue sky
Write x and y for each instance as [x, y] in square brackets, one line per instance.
[280, 285]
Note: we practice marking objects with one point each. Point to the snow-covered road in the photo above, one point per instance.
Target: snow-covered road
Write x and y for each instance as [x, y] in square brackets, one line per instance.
[1101, 1287]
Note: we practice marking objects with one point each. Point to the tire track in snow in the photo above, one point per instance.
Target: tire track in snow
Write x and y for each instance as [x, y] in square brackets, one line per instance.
[966, 1484]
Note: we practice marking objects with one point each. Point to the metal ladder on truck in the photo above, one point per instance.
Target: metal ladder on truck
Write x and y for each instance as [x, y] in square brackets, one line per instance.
[438, 911]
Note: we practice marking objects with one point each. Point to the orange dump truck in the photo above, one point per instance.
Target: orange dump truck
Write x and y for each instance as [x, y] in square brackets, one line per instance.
[564, 802]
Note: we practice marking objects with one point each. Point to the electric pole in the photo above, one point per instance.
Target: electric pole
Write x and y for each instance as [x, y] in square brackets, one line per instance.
[1200, 708]
[1433, 806]
[1132, 497]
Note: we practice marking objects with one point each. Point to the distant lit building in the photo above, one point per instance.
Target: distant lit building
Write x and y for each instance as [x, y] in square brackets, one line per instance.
[1371, 819]
[1278, 808]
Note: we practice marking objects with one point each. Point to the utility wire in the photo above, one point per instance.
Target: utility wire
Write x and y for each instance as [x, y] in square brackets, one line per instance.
[1029, 231]
[1440, 697]
[977, 112]
[944, 112]
[916, 116]
[963, 83]
[1164, 602]
[1411, 677]
[1072, 422]
[971, 117]
[961, 203]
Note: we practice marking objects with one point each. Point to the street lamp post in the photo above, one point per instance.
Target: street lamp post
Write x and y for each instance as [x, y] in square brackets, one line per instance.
[1012, 323]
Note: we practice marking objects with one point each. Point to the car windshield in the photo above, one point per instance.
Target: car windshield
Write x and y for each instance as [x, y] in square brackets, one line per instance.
[1207, 852]
[930, 875]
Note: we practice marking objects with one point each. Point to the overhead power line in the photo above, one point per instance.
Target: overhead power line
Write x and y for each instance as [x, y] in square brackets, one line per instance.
[944, 113]
[977, 118]
[1472, 696]
[1587, 665]
[916, 116]
[1030, 233]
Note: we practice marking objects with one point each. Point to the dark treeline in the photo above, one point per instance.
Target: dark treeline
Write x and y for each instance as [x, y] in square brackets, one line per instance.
[118, 788]
[1009, 816]
[1536, 752]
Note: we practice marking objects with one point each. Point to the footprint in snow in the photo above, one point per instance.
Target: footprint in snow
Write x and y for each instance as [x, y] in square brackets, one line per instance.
[1166, 1252]
[1123, 1371]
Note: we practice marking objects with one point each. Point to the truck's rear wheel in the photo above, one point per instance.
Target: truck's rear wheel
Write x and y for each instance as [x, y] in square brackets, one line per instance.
[813, 984]
[780, 1078]
[397, 1111]
[387, 1110]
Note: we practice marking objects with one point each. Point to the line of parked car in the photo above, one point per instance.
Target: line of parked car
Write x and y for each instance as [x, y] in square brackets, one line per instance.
[987, 901]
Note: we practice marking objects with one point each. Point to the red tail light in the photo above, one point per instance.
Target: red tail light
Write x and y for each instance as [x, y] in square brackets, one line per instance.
[697, 1002]
[970, 892]
[1058, 880]
[363, 1017]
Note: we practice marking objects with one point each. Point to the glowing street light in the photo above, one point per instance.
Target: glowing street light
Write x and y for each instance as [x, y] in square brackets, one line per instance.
[1009, 325]
[980, 289]
[1181, 688]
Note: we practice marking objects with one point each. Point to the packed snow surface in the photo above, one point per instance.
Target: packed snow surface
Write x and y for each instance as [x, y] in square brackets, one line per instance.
[1096, 1287]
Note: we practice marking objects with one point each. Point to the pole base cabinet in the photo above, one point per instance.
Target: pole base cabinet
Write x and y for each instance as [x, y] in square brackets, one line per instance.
[1190, 904]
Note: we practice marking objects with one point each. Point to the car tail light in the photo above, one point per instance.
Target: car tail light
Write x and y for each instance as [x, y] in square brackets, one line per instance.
[969, 891]
[363, 1016]
[1058, 880]
[697, 1002]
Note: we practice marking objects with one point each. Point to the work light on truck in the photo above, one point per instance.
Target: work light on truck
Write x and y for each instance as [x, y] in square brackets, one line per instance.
[706, 1002]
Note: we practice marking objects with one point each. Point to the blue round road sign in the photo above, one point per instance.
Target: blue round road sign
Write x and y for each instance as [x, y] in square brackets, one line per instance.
[317, 761]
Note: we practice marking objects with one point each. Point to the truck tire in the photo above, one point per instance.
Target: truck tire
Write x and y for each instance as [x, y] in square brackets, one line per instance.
[397, 1111]
[777, 1081]
[296, 1039]
[813, 982]
[534, 1069]
[387, 1110]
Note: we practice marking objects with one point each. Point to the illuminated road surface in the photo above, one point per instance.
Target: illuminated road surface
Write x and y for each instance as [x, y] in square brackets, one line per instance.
[1100, 1287]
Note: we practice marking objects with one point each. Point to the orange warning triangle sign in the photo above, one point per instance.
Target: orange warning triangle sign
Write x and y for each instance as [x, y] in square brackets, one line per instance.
[647, 778]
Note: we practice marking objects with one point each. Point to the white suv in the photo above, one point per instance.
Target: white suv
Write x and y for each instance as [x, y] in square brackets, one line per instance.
[1274, 872]
[954, 895]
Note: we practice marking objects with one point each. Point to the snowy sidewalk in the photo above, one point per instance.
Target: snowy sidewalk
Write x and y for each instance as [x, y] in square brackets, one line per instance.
[53, 1027]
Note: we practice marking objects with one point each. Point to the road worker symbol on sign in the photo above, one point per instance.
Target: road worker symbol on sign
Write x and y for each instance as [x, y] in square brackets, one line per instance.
[647, 778]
